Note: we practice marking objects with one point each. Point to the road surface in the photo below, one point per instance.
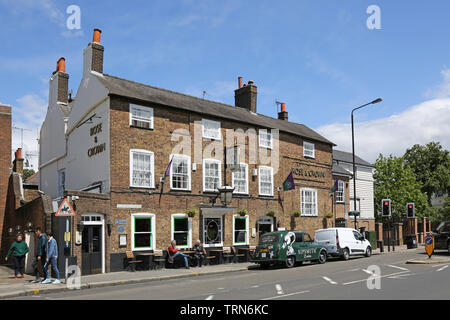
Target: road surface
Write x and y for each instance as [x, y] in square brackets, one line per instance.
[335, 279]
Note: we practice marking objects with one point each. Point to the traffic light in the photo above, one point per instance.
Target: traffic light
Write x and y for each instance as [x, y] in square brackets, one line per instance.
[410, 210]
[386, 207]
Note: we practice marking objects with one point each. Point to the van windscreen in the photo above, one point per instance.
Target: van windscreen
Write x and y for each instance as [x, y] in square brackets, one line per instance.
[269, 238]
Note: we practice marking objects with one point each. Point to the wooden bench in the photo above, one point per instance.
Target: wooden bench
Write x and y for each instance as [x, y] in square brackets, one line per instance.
[209, 258]
[158, 259]
[228, 254]
[132, 260]
[237, 254]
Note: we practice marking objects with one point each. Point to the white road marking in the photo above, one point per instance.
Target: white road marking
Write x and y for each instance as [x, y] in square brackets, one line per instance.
[367, 271]
[363, 280]
[397, 267]
[209, 297]
[401, 276]
[329, 280]
[220, 288]
[279, 289]
[286, 295]
[444, 267]
[256, 286]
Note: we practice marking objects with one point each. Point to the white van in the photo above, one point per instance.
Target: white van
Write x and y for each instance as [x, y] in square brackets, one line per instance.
[343, 242]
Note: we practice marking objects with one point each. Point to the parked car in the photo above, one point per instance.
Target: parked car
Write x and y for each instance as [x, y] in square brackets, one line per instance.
[288, 248]
[442, 236]
[343, 242]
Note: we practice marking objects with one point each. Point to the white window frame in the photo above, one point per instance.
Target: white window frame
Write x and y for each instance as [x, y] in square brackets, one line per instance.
[315, 213]
[265, 131]
[309, 154]
[204, 133]
[242, 165]
[152, 167]
[247, 230]
[152, 230]
[259, 181]
[219, 165]
[341, 192]
[143, 108]
[188, 171]
[172, 225]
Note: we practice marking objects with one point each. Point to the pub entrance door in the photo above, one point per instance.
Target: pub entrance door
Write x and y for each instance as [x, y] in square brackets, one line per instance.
[93, 244]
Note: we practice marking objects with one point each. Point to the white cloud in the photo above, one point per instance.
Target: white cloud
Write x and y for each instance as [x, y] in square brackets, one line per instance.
[442, 90]
[46, 7]
[420, 124]
[28, 113]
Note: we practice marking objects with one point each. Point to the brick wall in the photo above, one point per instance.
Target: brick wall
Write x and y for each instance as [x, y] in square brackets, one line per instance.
[166, 120]
[5, 160]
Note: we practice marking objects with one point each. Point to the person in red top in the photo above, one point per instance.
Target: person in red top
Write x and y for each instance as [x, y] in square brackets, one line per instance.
[174, 253]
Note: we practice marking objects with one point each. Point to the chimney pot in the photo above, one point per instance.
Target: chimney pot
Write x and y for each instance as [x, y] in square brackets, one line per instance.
[250, 82]
[240, 82]
[96, 37]
[61, 65]
[283, 115]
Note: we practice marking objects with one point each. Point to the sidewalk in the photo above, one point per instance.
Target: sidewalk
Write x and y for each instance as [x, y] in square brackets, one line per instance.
[10, 287]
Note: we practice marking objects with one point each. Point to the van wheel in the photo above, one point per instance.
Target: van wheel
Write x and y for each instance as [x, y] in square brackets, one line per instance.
[368, 251]
[290, 261]
[322, 257]
[345, 254]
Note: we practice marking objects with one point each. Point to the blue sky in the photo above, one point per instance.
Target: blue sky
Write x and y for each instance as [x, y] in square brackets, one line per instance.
[318, 57]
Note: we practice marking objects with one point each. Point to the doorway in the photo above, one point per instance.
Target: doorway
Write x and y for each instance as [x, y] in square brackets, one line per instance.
[92, 244]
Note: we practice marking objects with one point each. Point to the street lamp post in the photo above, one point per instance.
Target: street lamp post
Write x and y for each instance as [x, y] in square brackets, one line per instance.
[353, 153]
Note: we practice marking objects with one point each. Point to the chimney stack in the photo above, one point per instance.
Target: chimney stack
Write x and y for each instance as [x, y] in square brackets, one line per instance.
[93, 54]
[18, 162]
[245, 96]
[59, 83]
[283, 115]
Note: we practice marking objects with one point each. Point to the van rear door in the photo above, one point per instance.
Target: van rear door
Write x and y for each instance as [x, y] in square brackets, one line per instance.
[326, 238]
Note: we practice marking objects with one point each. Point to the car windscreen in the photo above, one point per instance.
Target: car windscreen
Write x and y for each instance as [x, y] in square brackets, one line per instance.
[269, 238]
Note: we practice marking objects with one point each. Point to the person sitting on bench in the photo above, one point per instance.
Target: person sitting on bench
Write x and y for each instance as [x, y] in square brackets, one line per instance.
[174, 253]
[200, 253]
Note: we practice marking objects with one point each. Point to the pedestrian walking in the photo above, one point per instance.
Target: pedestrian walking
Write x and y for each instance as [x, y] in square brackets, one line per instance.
[52, 259]
[19, 250]
[41, 255]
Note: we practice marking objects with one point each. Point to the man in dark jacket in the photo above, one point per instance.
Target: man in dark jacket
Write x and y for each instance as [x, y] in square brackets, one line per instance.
[41, 255]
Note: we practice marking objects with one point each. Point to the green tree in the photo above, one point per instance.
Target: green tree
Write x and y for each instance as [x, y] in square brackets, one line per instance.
[443, 213]
[431, 166]
[395, 181]
[27, 173]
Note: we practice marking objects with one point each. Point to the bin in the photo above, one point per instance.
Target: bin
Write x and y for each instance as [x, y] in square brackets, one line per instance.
[411, 241]
[371, 236]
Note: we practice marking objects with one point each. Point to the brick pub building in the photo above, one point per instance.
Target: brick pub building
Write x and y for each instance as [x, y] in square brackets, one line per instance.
[107, 150]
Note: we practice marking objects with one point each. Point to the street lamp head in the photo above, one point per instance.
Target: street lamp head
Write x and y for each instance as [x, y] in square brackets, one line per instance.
[376, 100]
